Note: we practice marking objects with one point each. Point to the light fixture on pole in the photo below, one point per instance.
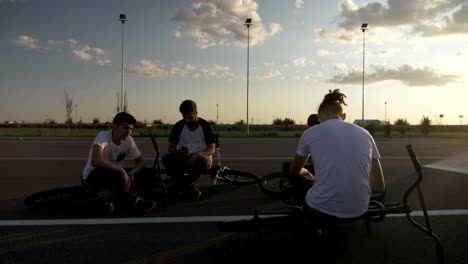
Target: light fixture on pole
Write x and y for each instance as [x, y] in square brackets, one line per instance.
[248, 23]
[122, 19]
[363, 29]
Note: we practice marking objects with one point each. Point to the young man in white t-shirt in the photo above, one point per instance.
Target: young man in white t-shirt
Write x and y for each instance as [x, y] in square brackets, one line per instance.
[105, 167]
[191, 146]
[346, 163]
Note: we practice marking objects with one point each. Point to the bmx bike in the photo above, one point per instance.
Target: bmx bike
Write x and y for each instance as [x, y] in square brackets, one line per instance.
[217, 172]
[278, 185]
[77, 194]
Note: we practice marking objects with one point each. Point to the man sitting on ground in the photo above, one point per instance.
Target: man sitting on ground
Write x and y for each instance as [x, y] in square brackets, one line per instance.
[105, 167]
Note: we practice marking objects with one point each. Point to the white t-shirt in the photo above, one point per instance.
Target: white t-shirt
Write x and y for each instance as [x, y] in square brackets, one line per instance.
[342, 154]
[193, 140]
[112, 152]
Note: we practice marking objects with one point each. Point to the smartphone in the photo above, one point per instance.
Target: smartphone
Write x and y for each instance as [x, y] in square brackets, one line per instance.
[184, 149]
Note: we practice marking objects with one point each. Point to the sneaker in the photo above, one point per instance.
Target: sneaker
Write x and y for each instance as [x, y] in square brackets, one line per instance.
[144, 205]
[192, 192]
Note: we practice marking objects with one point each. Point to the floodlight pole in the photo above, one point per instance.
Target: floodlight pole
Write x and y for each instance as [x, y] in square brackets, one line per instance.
[248, 23]
[385, 112]
[363, 29]
[76, 116]
[122, 19]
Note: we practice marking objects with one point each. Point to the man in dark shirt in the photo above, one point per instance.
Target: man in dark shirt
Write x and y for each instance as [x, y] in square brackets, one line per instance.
[191, 146]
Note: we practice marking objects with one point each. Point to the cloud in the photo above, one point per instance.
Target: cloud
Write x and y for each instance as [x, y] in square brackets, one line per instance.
[220, 22]
[148, 69]
[28, 42]
[79, 50]
[388, 52]
[301, 62]
[151, 69]
[299, 4]
[177, 34]
[87, 53]
[55, 42]
[324, 53]
[407, 74]
[456, 23]
[425, 17]
[340, 67]
[217, 71]
[269, 75]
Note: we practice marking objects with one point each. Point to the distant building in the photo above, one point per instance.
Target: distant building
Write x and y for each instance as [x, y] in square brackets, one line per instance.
[368, 122]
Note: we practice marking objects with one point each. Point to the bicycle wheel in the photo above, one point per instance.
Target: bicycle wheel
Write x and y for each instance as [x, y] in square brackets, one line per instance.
[238, 177]
[56, 196]
[277, 185]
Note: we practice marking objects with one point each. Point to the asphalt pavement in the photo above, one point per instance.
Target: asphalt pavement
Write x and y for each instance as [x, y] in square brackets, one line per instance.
[186, 232]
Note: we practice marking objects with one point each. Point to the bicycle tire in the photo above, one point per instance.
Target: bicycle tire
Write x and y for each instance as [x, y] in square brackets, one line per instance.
[277, 185]
[56, 196]
[238, 177]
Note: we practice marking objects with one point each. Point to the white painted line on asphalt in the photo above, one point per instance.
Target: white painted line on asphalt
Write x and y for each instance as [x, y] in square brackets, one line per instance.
[434, 213]
[110, 221]
[187, 219]
[247, 158]
[32, 158]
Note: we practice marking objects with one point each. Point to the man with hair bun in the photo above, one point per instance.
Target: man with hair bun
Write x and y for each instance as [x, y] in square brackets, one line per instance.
[346, 163]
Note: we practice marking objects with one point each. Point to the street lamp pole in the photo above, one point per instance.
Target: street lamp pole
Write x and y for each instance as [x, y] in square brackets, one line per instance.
[76, 116]
[363, 29]
[122, 19]
[385, 112]
[217, 114]
[248, 23]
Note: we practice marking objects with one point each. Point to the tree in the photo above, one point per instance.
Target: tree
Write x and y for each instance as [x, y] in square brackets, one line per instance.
[240, 122]
[277, 121]
[402, 125]
[158, 122]
[387, 129]
[283, 122]
[68, 110]
[96, 120]
[425, 124]
[286, 123]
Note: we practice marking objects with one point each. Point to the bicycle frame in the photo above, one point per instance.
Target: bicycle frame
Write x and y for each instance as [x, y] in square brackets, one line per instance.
[220, 169]
[157, 167]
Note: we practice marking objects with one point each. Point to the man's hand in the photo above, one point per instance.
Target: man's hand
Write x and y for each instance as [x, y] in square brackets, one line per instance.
[306, 174]
[184, 150]
[128, 180]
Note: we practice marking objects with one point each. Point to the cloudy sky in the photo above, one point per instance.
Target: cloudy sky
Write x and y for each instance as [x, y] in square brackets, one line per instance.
[416, 58]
